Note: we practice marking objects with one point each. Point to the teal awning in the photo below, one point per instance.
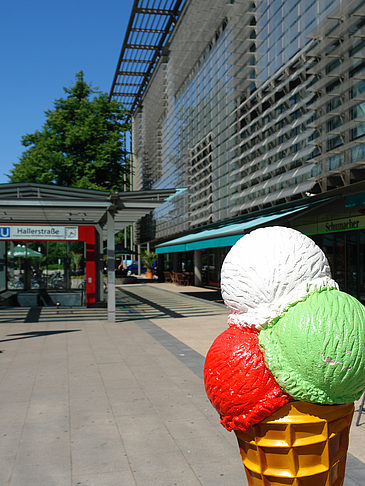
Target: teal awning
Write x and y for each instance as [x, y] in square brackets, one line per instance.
[355, 200]
[226, 235]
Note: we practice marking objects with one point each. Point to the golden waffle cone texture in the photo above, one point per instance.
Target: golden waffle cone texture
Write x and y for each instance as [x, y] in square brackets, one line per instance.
[301, 444]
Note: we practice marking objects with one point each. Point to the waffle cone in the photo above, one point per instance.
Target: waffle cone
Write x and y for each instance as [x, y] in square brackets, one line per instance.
[301, 444]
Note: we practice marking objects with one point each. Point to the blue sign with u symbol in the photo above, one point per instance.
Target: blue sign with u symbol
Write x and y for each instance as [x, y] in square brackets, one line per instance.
[4, 231]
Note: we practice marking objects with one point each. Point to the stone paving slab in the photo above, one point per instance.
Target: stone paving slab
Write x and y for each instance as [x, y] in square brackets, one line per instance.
[86, 402]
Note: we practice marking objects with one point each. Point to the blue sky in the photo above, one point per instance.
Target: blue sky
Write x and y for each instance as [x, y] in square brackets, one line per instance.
[44, 43]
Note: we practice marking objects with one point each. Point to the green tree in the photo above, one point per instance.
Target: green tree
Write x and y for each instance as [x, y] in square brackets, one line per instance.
[81, 144]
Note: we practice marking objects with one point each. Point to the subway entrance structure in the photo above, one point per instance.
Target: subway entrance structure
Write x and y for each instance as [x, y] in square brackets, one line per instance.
[43, 226]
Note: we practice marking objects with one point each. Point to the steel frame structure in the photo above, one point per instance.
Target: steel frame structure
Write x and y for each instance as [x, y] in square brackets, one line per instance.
[146, 38]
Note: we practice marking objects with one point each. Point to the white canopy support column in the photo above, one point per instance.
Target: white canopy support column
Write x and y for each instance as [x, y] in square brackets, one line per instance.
[198, 268]
[111, 266]
[139, 259]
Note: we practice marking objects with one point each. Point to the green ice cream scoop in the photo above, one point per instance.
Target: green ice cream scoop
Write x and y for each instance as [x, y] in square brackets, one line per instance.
[316, 349]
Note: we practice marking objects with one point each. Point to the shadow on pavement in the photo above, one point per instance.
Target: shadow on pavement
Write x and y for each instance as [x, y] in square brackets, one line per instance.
[214, 296]
[154, 305]
[33, 334]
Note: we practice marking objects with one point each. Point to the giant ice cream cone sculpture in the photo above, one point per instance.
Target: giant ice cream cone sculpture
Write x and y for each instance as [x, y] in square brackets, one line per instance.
[284, 374]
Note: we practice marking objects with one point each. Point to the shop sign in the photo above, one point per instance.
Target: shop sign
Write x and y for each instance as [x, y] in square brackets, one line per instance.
[334, 225]
[343, 224]
[22, 232]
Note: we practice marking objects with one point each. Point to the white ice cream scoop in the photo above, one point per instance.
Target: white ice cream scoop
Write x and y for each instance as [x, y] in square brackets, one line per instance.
[268, 270]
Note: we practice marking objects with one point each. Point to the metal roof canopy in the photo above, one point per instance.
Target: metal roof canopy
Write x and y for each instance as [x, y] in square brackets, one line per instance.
[148, 31]
[26, 203]
[41, 204]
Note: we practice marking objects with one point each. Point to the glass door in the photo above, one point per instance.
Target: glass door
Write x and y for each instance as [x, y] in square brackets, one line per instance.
[346, 255]
[352, 265]
[339, 263]
[361, 267]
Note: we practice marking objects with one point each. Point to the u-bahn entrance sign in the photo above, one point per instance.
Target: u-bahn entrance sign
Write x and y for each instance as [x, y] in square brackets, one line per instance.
[22, 232]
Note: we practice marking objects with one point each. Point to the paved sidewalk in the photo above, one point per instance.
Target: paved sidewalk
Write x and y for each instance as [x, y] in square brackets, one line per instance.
[86, 402]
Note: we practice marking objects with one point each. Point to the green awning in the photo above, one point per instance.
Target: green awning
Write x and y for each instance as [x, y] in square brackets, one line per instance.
[226, 235]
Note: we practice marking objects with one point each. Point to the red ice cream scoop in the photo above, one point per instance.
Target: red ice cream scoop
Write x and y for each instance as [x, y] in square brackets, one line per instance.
[237, 381]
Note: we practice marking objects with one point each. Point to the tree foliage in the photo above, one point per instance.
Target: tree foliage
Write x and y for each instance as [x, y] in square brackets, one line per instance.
[81, 143]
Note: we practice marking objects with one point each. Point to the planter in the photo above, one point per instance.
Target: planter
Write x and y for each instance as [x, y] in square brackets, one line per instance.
[149, 274]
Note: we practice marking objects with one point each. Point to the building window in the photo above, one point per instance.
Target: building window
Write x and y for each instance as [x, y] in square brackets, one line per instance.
[334, 162]
[334, 142]
[358, 152]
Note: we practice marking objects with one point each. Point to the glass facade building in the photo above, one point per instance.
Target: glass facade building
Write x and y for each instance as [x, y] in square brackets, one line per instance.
[284, 28]
[242, 112]
[251, 106]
